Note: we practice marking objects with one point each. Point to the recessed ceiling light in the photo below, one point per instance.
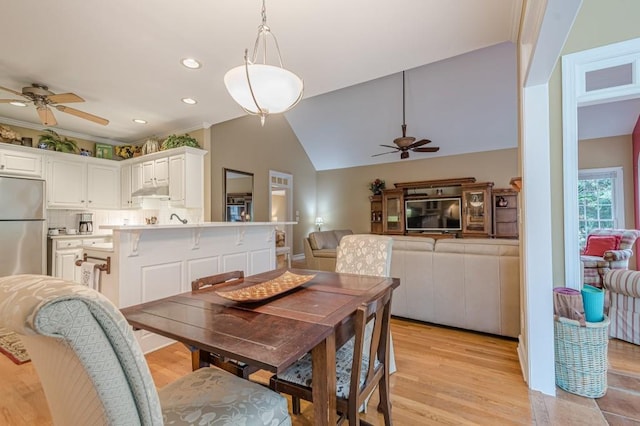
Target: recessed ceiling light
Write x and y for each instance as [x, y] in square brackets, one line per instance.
[189, 101]
[191, 63]
[18, 103]
[139, 121]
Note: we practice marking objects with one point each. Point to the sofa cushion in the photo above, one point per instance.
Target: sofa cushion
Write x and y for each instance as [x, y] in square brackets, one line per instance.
[323, 240]
[341, 233]
[597, 245]
[482, 246]
[325, 253]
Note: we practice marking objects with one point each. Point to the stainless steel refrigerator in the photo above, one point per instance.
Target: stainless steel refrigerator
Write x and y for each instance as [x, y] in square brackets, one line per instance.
[23, 229]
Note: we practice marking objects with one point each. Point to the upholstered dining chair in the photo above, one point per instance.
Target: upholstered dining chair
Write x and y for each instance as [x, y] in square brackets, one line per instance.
[237, 368]
[93, 371]
[364, 254]
[357, 376]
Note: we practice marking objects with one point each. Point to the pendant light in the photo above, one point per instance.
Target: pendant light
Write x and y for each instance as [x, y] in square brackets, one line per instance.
[262, 89]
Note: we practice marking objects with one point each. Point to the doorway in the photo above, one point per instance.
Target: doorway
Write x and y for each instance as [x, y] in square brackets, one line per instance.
[281, 204]
[600, 76]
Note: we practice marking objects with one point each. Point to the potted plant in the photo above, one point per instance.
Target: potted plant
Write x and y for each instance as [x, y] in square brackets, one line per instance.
[175, 141]
[52, 140]
[377, 186]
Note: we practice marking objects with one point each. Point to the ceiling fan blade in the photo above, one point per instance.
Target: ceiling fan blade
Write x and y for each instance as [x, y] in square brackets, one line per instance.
[11, 91]
[384, 153]
[46, 116]
[428, 149]
[82, 114]
[419, 143]
[8, 101]
[390, 146]
[64, 98]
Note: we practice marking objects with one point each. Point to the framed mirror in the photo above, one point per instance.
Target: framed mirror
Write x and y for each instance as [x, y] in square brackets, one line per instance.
[238, 196]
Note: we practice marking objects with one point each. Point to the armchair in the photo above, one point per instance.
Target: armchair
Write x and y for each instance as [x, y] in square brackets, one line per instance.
[624, 310]
[598, 262]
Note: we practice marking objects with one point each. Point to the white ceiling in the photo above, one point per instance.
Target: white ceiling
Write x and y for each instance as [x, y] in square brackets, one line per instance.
[123, 57]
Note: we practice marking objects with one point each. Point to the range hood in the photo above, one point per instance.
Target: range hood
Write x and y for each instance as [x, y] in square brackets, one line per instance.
[157, 192]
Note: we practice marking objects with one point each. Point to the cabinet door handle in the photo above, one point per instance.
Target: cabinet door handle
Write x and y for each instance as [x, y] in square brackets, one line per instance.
[2, 166]
[90, 201]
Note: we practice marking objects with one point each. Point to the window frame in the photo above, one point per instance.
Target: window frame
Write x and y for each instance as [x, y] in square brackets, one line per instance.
[616, 174]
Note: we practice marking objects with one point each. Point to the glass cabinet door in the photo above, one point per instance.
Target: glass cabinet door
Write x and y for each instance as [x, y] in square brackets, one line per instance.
[393, 211]
[476, 201]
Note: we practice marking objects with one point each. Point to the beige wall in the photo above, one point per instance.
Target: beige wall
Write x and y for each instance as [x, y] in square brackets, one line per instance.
[343, 194]
[598, 23]
[611, 152]
[242, 144]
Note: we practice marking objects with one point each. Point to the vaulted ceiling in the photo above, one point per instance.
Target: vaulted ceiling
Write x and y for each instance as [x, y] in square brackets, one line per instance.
[123, 57]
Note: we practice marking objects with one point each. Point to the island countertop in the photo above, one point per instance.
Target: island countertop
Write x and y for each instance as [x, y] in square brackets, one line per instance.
[125, 228]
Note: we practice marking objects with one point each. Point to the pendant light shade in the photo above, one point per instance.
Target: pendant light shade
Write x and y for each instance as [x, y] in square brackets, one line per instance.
[275, 89]
[262, 89]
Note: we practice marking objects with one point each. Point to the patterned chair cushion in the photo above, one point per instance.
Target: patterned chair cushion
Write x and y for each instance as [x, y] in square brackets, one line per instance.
[301, 372]
[365, 255]
[210, 396]
[594, 262]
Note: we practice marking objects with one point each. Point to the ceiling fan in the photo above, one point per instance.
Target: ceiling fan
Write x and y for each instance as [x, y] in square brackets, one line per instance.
[43, 98]
[406, 143]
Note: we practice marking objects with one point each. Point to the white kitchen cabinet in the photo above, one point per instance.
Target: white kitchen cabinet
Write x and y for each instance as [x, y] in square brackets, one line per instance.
[74, 183]
[130, 181]
[186, 180]
[66, 183]
[155, 172]
[66, 264]
[103, 183]
[20, 163]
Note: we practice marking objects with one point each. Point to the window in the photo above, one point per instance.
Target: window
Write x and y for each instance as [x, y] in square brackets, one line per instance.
[600, 200]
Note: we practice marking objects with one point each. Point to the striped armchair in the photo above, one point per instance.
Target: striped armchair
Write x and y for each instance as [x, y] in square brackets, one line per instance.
[595, 267]
[624, 310]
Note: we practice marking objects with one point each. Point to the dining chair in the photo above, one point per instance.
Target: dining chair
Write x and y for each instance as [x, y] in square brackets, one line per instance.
[93, 371]
[367, 254]
[356, 376]
[201, 359]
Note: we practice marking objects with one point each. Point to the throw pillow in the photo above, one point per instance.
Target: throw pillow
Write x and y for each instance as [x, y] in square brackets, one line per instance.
[597, 245]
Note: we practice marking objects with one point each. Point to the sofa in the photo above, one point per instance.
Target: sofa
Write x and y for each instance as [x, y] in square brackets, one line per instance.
[623, 291]
[469, 283]
[320, 249]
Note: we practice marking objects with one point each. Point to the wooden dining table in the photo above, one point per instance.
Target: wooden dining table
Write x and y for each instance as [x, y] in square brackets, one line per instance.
[273, 333]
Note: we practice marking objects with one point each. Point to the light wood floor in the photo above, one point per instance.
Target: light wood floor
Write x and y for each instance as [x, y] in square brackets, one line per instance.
[444, 376]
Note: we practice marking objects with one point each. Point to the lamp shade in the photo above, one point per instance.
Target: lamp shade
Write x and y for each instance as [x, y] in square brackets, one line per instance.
[276, 89]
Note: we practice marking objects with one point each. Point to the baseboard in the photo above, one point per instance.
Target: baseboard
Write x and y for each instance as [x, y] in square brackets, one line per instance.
[522, 356]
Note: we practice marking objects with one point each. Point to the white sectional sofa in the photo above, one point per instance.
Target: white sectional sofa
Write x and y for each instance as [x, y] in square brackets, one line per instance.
[467, 283]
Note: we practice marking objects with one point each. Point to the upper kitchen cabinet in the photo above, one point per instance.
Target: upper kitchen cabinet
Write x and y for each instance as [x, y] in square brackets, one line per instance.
[82, 183]
[155, 172]
[186, 180]
[130, 181]
[20, 161]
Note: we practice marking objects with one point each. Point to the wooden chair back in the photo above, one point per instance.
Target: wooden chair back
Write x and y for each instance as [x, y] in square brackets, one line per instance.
[231, 278]
[200, 358]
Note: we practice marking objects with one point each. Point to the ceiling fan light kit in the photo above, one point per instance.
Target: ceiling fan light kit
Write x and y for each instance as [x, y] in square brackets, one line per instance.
[262, 89]
[406, 143]
[43, 98]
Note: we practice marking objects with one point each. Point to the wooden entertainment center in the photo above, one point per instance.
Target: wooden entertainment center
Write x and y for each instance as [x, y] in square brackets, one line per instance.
[446, 208]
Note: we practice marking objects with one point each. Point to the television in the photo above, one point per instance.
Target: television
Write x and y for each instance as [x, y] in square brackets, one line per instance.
[433, 214]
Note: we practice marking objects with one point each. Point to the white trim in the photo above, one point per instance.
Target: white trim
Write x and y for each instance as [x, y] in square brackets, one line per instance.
[288, 188]
[573, 96]
[536, 244]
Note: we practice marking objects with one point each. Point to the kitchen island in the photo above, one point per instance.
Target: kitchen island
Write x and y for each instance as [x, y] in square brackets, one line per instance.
[150, 262]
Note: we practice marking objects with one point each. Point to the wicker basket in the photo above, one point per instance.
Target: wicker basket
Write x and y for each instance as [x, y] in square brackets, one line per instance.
[581, 356]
